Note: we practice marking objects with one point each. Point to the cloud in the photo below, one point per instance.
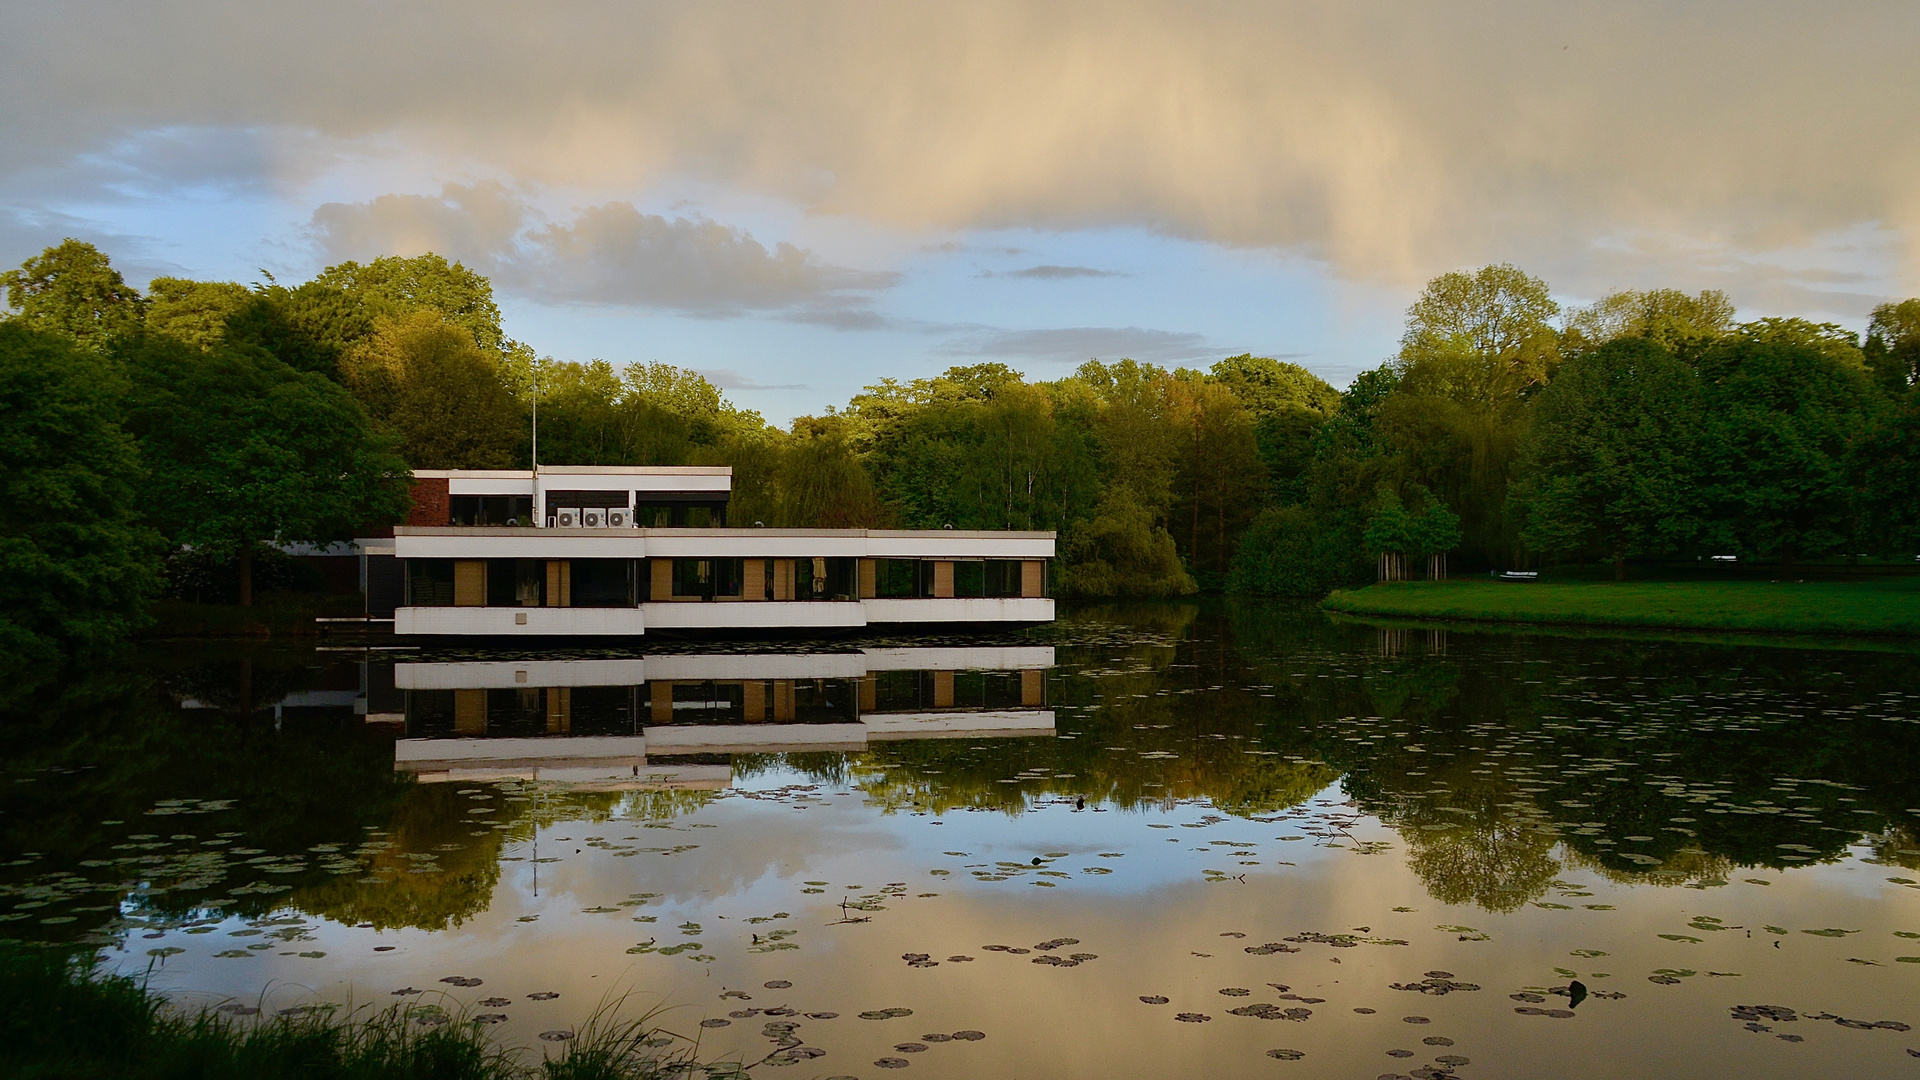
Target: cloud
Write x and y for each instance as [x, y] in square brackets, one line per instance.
[611, 254]
[1077, 343]
[729, 379]
[1389, 140]
[1054, 273]
[476, 224]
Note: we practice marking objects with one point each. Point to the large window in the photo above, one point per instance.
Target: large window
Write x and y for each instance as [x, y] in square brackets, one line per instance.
[970, 578]
[509, 510]
[603, 583]
[706, 578]
[1003, 577]
[824, 579]
[429, 583]
[896, 578]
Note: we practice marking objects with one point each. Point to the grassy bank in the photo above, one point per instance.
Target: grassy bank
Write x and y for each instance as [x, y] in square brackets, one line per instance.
[61, 1021]
[1876, 606]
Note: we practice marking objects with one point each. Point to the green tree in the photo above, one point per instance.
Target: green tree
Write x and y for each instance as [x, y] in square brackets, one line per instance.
[1888, 470]
[311, 327]
[76, 566]
[1893, 345]
[444, 397]
[1222, 476]
[590, 416]
[1269, 387]
[1667, 317]
[1608, 465]
[1288, 405]
[395, 288]
[1784, 403]
[1480, 338]
[72, 290]
[196, 312]
[245, 450]
[1291, 551]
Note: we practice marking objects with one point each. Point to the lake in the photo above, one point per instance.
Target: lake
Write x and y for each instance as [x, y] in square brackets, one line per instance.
[1159, 840]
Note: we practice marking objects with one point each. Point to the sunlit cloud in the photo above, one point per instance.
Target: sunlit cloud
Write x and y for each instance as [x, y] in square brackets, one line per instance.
[1389, 140]
[612, 254]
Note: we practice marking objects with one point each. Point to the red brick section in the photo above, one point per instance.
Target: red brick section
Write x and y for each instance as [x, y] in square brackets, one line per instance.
[430, 505]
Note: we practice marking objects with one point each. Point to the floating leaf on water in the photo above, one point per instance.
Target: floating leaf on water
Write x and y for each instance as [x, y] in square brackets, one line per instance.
[461, 980]
[556, 1036]
[1192, 1018]
[892, 1063]
[1437, 1040]
[822, 1015]
[543, 995]
[1287, 1055]
[969, 1035]
[777, 984]
[495, 1002]
[911, 1048]
[715, 1022]
[1154, 999]
[1416, 1020]
[1236, 991]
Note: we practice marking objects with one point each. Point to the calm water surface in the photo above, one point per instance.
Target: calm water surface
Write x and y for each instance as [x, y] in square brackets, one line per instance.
[1155, 841]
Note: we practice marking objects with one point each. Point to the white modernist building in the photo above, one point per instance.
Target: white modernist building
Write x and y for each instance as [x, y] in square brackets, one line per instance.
[615, 551]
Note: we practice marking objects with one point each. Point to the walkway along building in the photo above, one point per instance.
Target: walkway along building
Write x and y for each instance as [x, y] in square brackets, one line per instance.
[612, 551]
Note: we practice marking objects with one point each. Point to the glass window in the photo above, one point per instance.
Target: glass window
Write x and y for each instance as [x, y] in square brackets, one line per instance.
[507, 510]
[970, 578]
[707, 578]
[429, 582]
[693, 577]
[1003, 577]
[903, 577]
[602, 582]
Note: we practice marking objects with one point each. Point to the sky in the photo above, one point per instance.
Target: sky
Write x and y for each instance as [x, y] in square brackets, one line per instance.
[800, 199]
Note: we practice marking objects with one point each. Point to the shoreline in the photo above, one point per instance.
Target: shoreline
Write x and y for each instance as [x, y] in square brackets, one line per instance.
[1886, 608]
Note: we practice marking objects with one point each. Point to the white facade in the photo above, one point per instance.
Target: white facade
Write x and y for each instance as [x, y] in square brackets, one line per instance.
[512, 570]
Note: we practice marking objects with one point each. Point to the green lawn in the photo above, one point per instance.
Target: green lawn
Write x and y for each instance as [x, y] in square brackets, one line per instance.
[1877, 606]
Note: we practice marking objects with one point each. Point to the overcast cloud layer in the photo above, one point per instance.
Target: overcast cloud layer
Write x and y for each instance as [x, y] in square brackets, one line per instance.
[1765, 147]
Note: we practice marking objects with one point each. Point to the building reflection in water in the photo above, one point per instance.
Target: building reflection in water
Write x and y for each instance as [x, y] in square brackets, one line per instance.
[674, 720]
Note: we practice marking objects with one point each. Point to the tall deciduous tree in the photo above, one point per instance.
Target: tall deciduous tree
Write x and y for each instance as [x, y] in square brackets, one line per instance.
[245, 450]
[1609, 464]
[1480, 338]
[196, 312]
[442, 395]
[73, 291]
[1893, 345]
[395, 288]
[1784, 404]
[1222, 477]
[75, 563]
[1669, 317]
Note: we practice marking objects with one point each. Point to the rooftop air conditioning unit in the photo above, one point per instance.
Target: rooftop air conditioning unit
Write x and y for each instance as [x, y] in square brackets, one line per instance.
[569, 519]
[617, 518]
[592, 518]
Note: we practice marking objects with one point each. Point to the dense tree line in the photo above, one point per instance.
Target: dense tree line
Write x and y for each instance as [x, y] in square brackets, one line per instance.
[217, 417]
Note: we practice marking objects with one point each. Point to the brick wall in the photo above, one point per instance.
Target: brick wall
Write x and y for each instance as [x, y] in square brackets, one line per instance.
[430, 505]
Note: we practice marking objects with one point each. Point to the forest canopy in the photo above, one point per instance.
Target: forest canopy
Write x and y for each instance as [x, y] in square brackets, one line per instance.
[1505, 431]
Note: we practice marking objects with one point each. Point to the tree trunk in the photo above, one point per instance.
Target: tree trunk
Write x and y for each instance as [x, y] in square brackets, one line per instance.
[1619, 566]
[246, 574]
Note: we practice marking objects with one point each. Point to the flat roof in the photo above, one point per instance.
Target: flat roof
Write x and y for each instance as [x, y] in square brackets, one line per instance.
[502, 530]
[575, 470]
